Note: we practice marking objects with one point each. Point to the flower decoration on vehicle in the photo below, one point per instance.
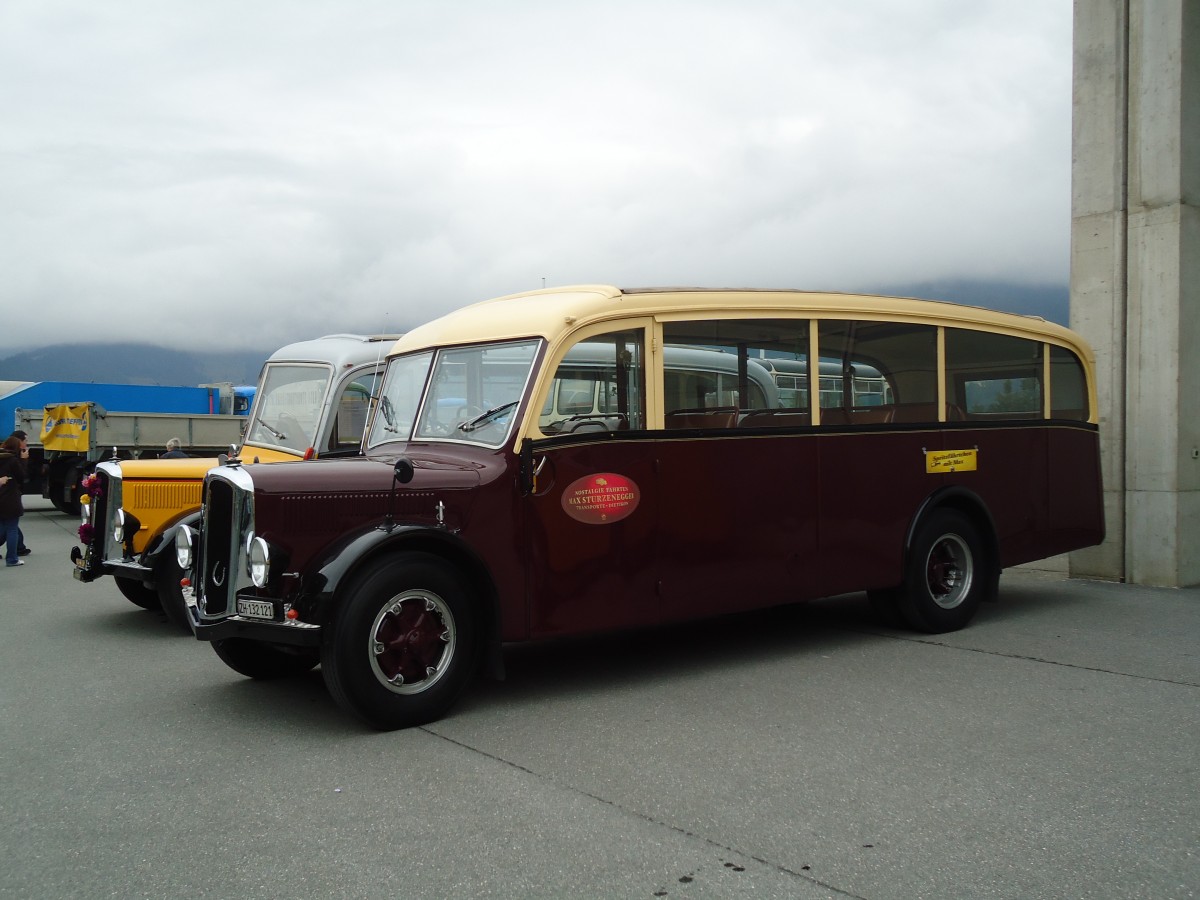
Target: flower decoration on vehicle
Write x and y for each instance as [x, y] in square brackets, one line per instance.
[87, 531]
[91, 485]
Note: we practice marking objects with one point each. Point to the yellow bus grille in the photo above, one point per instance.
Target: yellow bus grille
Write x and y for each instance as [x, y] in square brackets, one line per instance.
[162, 496]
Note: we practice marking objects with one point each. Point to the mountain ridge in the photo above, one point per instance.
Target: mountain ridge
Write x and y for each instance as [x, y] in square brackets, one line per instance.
[147, 363]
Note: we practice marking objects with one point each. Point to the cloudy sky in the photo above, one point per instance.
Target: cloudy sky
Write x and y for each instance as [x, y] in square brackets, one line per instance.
[241, 174]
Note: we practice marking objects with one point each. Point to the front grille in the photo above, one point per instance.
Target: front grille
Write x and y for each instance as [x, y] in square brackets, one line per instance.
[227, 519]
[164, 495]
[104, 512]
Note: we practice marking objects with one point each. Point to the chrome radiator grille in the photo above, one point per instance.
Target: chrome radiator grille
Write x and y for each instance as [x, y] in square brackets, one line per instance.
[225, 526]
[104, 513]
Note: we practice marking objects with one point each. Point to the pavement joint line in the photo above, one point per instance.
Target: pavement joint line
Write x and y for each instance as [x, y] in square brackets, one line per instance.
[1039, 659]
[803, 876]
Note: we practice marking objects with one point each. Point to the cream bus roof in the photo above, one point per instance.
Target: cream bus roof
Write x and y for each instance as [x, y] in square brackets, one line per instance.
[550, 312]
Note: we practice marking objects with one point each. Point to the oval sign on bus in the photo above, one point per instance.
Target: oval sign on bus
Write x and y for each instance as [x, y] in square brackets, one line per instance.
[600, 499]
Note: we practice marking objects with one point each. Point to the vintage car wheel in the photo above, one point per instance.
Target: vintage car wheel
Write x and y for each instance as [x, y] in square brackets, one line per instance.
[170, 592]
[137, 593]
[263, 661]
[404, 643]
[947, 573]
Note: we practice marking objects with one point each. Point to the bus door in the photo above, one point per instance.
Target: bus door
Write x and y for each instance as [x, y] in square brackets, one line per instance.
[591, 510]
[737, 474]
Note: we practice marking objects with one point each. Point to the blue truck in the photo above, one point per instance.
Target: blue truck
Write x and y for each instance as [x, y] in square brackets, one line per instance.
[73, 425]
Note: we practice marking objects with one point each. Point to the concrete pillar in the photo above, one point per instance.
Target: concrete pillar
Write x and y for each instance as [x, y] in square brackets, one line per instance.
[1135, 277]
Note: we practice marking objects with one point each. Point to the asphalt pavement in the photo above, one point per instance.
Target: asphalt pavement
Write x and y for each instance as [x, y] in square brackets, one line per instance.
[1049, 750]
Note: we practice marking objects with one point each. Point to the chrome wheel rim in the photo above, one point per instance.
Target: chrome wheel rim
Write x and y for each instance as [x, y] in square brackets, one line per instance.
[412, 642]
[949, 571]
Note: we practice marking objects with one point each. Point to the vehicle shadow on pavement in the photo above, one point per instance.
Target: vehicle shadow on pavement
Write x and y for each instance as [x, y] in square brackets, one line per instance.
[542, 671]
[709, 647]
[130, 620]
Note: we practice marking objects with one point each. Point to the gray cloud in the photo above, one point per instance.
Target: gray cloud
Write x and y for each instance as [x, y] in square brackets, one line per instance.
[227, 174]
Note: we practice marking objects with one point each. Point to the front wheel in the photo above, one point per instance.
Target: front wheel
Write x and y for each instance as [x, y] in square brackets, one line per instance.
[167, 576]
[948, 572]
[404, 643]
[137, 593]
[263, 661]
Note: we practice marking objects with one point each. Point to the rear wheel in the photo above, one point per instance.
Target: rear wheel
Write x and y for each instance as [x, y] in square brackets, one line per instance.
[404, 643]
[137, 593]
[263, 661]
[61, 471]
[947, 575]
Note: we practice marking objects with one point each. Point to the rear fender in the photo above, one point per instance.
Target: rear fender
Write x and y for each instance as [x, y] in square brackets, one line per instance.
[972, 505]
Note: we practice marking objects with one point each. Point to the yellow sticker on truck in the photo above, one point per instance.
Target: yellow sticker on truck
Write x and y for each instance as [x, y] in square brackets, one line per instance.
[65, 426]
[943, 462]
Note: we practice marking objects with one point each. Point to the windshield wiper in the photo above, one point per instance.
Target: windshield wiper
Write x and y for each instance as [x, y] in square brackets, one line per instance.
[385, 407]
[483, 418]
[278, 434]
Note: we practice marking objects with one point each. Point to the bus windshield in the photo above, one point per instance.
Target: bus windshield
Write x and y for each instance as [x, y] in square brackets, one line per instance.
[289, 406]
[465, 394]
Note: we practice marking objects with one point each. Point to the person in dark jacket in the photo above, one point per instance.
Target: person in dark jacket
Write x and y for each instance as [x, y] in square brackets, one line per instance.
[12, 473]
[23, 551]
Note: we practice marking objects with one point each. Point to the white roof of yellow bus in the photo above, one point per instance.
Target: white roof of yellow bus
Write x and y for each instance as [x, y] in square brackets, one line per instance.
[550, 312]
[339, 350]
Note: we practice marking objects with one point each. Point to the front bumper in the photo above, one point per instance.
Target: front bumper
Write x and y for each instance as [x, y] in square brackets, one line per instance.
[130, 569]
[273, 631]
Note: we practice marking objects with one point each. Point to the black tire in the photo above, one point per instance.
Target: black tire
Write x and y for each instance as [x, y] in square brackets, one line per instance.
[404, 643]
[947, 573]
[56, 488]
[137, 593]
[170, 592]
[263, 661]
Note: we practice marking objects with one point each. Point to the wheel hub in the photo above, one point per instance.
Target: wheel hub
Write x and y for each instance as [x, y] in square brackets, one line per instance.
[412, 642]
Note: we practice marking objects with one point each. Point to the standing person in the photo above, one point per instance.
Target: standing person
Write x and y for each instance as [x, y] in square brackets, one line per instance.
[23, 551]
[173, 451]
[12, 473]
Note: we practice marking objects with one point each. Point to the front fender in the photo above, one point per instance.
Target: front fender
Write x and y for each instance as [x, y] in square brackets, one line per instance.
[342, 561]
[164, 541]
[337, 568]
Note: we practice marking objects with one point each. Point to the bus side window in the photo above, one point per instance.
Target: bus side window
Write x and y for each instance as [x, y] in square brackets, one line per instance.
[745, 373]
[1068, 387]
[877, 372]
[600, 385]
[993, 376]
[351, 416]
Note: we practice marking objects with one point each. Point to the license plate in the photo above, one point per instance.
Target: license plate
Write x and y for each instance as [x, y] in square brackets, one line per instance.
[255, 609]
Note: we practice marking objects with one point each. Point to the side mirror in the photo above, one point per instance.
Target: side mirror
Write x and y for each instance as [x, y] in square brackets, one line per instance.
[404, 470]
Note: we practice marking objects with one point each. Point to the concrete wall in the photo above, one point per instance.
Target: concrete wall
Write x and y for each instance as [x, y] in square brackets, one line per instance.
[1135, 294]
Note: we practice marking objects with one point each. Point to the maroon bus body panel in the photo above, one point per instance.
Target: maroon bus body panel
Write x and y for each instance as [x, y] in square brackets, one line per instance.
[1076, 511]
[872, 485]
[738, 522]
[587, 572]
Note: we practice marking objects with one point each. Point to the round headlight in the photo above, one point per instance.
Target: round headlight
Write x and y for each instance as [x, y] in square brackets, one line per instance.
[185, 543]
[258, 561]
[118, 531]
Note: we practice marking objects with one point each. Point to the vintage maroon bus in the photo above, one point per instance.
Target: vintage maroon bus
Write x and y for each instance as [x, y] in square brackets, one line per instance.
[589, 458]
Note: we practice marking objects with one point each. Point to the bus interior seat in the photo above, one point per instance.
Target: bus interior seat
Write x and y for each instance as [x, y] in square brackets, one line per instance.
[775, 418]
[716, 417]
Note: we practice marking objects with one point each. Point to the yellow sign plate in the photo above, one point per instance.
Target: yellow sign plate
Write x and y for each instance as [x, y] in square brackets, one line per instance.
[65, 426]
[942, 462]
